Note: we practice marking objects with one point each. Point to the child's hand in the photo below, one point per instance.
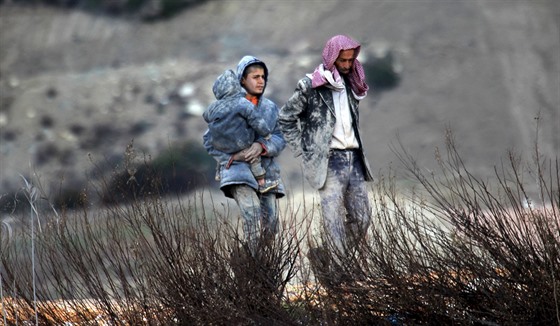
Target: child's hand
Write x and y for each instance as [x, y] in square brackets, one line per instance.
[253, 153]
[239, 156]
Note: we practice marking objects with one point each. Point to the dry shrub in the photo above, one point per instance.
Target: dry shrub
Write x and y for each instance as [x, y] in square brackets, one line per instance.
[457, 250]
[150, 262]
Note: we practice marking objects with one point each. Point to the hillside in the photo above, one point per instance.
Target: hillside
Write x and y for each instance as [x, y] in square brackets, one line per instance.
[74, 84]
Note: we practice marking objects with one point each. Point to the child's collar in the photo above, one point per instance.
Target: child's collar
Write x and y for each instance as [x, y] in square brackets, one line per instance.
[252, 98]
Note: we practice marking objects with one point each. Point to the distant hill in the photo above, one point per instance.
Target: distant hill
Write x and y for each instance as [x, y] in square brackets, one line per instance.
[72, 83]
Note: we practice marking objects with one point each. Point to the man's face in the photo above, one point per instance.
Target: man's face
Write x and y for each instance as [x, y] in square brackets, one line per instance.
[345, 61]
[254, 81]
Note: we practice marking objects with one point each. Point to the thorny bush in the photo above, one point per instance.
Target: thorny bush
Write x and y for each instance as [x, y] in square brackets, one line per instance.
[452, 250]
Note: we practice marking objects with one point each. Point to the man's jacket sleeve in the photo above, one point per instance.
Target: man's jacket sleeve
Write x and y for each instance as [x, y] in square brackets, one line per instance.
[289, 116]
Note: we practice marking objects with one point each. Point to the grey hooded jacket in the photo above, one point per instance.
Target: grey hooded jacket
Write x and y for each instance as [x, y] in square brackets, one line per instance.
[238, 172]
[307, 122]
[234, 121]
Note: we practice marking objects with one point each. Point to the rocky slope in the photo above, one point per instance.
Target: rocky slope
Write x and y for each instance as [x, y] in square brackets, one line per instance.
[77, 87]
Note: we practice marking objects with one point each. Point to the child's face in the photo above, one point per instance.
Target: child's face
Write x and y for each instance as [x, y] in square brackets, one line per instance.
[254, 81]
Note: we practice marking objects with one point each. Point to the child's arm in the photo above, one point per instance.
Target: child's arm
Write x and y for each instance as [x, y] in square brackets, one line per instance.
[219, 156]
[274, 144]
[257, 121]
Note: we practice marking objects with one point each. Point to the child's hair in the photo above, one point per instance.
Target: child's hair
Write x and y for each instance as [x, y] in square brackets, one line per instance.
[256, 64]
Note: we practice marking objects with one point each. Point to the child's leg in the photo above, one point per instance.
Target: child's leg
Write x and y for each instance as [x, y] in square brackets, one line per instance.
[258, 172]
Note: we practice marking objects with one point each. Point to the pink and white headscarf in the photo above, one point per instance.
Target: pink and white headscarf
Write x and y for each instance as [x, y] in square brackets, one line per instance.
[330, 54]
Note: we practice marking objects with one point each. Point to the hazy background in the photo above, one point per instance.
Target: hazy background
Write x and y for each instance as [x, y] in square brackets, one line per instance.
[77, 86]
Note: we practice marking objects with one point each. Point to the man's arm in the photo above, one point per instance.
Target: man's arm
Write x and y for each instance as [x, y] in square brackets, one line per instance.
[289, 116]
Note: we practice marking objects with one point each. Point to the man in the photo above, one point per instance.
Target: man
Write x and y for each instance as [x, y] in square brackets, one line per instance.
[320, 122]
[258, 210]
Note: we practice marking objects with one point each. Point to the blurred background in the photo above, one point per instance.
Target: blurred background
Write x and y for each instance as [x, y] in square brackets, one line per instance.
[82, 79]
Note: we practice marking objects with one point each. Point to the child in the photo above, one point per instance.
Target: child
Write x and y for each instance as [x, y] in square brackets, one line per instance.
[234, 123]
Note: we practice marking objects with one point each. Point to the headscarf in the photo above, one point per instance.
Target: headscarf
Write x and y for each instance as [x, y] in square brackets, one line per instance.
[332, 49]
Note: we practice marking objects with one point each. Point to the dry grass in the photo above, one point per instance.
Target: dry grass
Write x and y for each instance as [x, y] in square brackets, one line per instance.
[456, 251]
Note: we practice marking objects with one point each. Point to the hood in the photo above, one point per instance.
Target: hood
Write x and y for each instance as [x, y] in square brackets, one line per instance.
[247, 61]
[226, 85]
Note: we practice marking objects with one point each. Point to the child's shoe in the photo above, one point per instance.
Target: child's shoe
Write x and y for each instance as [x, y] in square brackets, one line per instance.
[268, 186]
